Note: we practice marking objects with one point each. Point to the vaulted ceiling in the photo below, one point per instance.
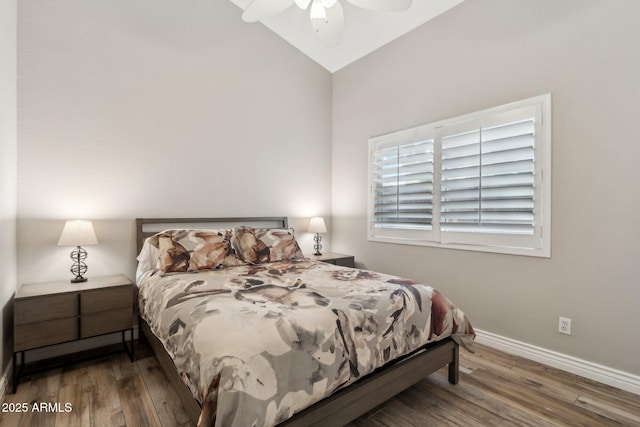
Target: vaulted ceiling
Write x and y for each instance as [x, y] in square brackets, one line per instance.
[364, 32]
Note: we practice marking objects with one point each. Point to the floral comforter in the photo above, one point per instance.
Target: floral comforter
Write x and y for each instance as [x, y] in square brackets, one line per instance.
[258, 343]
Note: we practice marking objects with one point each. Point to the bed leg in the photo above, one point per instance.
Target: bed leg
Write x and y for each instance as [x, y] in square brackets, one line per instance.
[454, 371]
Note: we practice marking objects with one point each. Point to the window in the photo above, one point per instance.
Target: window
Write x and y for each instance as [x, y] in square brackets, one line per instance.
[479, 181]
[403, 171]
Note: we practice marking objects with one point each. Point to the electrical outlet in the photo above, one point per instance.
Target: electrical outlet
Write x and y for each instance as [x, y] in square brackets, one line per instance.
[564, 326]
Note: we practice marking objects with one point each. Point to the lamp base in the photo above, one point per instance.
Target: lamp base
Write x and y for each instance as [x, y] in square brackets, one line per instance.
[318, 245]
[78, 255]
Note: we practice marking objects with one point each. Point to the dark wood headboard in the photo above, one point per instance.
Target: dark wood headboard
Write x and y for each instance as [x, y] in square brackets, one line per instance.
[146, 227]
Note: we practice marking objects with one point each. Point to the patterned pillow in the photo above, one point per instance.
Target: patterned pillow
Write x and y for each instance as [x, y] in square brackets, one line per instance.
[193, 250]
[260, 245]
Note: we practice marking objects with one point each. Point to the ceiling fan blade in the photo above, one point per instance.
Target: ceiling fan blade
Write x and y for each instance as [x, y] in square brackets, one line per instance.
[260, 9]
[382, 5]
[330, 29]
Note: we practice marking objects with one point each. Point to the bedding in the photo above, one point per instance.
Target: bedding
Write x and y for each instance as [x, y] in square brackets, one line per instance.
[256, 343]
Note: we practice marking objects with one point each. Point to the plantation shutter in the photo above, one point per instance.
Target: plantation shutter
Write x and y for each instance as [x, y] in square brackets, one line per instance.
[487, 179]
[403, 184]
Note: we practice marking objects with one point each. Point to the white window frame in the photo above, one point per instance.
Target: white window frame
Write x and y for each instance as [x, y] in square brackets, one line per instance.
[536, 244]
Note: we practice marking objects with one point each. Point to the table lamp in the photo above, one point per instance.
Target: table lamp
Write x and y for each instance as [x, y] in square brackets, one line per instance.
[316, 225]
[78, 233]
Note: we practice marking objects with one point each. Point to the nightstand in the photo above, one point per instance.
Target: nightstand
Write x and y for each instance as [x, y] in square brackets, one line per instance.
[57, 312]
[336, 259]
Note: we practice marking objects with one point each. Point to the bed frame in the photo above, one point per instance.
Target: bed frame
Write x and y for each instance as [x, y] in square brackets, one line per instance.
[341, 407]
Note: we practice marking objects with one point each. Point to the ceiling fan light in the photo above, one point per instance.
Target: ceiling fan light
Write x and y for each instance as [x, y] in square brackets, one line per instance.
[328, 4]
[303, 4]
[317, 11]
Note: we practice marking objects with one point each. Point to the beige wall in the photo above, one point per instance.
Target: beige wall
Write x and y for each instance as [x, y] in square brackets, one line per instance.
[485, 53]
[160, 108]
[8, 174]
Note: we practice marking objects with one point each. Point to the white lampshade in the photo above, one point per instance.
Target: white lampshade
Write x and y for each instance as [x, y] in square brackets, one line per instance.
[78, 233]
[316, 225]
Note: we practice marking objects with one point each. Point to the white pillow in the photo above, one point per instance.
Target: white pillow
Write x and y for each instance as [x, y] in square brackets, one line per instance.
[147, 260]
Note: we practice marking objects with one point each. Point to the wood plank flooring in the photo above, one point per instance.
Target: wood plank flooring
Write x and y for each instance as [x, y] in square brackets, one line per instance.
[495, 389]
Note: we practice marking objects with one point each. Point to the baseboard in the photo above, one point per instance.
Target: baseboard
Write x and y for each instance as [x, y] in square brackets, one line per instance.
[613, 377]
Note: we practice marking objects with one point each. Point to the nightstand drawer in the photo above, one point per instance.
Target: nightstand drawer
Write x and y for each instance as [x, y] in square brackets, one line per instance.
[45, 333]
[336, 259]
[107, 299]
[45, 308]
[345, 262]
[105, 322]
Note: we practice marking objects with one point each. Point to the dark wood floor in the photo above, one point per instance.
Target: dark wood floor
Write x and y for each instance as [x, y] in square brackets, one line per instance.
[495, 389]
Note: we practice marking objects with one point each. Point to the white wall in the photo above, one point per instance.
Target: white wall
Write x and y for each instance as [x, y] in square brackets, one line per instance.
[485, 53]
[160, 108]
[8, 175]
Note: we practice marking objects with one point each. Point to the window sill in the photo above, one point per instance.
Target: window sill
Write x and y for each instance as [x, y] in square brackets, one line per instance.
[543, 252]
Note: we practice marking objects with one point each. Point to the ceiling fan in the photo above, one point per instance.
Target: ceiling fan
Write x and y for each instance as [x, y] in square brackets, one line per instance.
[327, 17]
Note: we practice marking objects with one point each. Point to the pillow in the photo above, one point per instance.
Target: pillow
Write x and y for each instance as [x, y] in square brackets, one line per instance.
[260, 245]
[147, 259]
[194, 250]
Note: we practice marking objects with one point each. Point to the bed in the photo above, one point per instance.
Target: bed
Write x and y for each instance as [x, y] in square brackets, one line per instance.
[250, 332]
